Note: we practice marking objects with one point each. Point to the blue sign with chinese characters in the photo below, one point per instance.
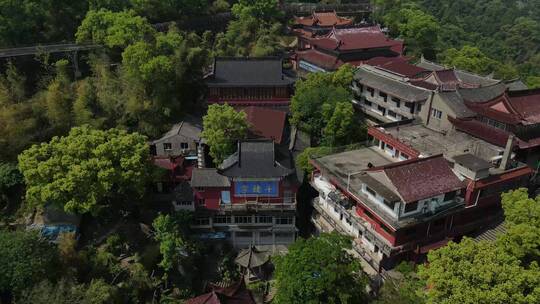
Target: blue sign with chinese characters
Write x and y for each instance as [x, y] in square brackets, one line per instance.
[256, 188]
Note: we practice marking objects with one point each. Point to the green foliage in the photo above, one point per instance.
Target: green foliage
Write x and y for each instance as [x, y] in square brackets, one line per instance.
[59, 100]
[403, 289]
[25, 259]
[170, 232]
[86, 170]
[113, 29]
[319, 270]
[223, 126]
[321, 106]
[9, 177]
[478, 272]
[302, 161]
[65, 292]
[260, 9]
[12, 86]
[469, 58]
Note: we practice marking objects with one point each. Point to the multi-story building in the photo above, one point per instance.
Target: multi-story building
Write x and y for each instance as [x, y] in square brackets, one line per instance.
[250, 199]
[318, 23]
[398, 199]
[355, 45]
[245, 81]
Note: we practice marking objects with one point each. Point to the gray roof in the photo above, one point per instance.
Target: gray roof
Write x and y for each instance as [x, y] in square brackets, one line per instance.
[252, 257]
[472, 162]
[484, 93]
[454, 101]
[208, 177]
[254, 158]
[246, 71]
[516, 85]
[191, 127]
[464, 76]
[394, 87]
[378, 187]
[183, 192]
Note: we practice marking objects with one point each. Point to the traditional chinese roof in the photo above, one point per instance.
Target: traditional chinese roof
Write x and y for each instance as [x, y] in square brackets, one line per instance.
[252, 257]
[472, 162]
[481, 130]
[266, 123]
[168, 163]
[323, 19]
[399, 65]
[421, 178]
[359, 38]
[324, 60]
[208, 177]
[454, 101]
[254, 158]
[464, 76]
[248, 72]
[235, 294]
[512, 107]
[390, 85]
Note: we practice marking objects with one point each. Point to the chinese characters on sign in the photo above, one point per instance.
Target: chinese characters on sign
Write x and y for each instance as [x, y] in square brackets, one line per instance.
[256, 188]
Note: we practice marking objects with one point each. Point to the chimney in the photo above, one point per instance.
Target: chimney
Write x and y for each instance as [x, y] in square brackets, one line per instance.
[201, 162]
[505, 161]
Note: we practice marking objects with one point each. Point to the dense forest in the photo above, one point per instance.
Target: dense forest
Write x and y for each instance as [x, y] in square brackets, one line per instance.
[491, 36]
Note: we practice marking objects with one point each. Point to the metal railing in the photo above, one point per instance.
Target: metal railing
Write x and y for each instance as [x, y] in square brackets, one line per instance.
[258, 206]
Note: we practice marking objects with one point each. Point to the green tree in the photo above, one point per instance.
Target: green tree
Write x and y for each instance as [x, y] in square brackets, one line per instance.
[478, 272]
[25, 259]
[341, 127]
[113, 29]
[223, 126]
[66, 292]
[11, 183]
[260, 9]
[170, 232]
[12, 86]
[59, 99]
[403, 288]
[319, 270]
[86, 170]
[419, 29]
[469, 58]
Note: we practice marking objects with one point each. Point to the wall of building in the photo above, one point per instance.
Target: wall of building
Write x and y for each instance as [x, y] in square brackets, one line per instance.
[176, 142]
[429, 115]
[253, 93]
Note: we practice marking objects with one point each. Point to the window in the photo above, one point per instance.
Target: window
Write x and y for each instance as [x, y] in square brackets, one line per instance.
[283, 235]
[494, 123]
[368, 214]
[383, 95]
[449, 196]
[386, 229]
[225, 197]
[183, 203]
[184, 145]
[389, 147]
[167, 146]
[436, 113]
[200, 201]
[370, 191]
[222, 220]
[381, 109]
[395, 99]
[202, 221]
[265, 234]
[243, 219]
[368, 103]
[410, 207]
[361, 88]
[284, 220]
[263, 219]
[404, 156]
[392, 114]
[371, 91]
[389, 204]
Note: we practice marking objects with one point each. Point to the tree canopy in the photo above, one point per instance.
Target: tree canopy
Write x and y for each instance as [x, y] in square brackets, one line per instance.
[319, 270]
[86, 170]
[223, 126]
[25, 259]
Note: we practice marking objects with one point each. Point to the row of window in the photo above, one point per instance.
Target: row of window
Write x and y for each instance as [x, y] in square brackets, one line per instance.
[168, 146]
[247, 219]
[264, 234]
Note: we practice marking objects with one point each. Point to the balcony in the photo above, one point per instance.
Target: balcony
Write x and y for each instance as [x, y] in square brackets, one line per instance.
[254, 206]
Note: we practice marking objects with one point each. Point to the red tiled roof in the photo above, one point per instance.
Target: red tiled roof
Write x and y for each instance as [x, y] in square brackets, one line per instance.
[359, 38]
[423, 84]
[527, 104]
[399, 65]
[422, 178]
[266, 123]
[235, 294]
[324, 19]
[168, 162]
[478, 129]
[508, 175]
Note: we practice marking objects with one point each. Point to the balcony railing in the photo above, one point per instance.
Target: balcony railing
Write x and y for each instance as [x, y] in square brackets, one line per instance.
[258, 206]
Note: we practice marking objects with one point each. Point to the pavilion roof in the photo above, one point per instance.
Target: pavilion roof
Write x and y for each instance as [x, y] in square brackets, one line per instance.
[323, 19]
[358, 38]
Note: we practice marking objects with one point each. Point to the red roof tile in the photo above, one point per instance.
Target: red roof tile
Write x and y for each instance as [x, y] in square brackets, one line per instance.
[422, 178]
[324, 19]
[359, 38]
[478, 129]
[266, 123]
[527, 104]
[235, 294]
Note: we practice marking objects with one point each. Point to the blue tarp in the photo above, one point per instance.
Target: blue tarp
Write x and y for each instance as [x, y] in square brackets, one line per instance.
[52, 232]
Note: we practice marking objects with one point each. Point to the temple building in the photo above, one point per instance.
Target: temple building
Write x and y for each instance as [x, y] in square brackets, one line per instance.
[319, 23]
[354, 45]
[250, 199]
[249, 81]
[498, 116]
[236, 293]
